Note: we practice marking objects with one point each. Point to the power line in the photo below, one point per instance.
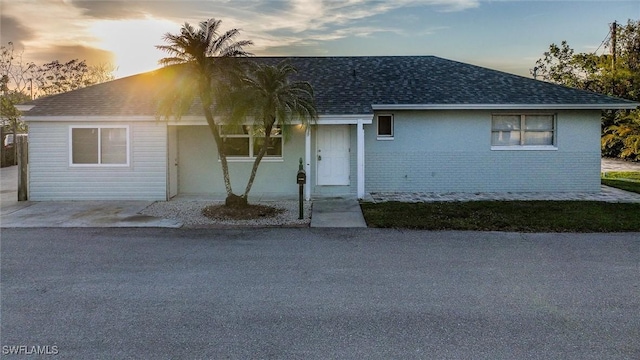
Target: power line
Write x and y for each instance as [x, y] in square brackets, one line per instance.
[606, 38]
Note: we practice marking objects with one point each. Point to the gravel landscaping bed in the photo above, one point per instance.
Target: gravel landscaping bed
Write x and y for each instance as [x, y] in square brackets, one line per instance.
[189, 212]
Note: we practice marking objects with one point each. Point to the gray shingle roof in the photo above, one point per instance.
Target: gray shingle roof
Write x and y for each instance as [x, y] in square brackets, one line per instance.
[348, 85]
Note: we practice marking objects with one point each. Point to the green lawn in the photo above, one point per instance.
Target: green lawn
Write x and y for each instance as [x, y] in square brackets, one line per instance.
[518, 216]
[633, 186]
[629, 175]
[625, 180]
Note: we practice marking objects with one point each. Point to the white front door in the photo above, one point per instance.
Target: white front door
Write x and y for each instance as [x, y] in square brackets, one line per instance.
[332, 155]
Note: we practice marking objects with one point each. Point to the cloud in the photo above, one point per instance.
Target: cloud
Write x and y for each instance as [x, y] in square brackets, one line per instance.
[456, 5]
[298, 23]
[13, 30]
[176, 10]
[111, 9]
[64, 53]
[49, 21]
[67, 29]
[260, 16]
[123, 9]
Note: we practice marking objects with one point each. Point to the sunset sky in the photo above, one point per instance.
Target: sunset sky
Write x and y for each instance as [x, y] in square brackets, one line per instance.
[504, 35]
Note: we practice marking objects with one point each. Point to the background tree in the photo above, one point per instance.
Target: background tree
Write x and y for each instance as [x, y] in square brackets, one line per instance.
[22, 81]
[624, 135]
[18, 73]
[600, 73]
[15, 84]
[55, 77]
[201, 56]
[51, 78]
[266, 96]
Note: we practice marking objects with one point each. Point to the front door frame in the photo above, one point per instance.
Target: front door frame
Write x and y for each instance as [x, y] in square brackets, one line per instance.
[325, 120]
[320, 181]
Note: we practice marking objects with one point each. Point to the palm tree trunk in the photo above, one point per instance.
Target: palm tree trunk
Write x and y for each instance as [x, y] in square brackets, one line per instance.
[206, 107]
[223, 158]
[256, 163]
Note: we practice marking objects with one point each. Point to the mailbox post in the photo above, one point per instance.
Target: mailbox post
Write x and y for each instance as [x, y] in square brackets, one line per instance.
[301, 179]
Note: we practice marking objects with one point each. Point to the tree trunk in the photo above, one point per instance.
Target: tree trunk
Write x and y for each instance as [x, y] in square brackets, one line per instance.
[223, 158]
[256, 163]
[205, 96]
[235, 201]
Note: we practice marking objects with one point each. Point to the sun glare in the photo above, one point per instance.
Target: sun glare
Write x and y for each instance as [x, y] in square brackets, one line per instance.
[133, 42]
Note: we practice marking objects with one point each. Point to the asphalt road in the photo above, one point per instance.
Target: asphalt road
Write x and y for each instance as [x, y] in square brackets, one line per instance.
[319, 293]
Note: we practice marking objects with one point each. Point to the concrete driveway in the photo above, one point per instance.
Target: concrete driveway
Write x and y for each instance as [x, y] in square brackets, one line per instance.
[16, 213]
[609, 164]
[9, 191]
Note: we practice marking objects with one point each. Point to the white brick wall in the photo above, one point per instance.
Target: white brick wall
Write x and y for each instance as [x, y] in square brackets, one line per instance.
[451, 152]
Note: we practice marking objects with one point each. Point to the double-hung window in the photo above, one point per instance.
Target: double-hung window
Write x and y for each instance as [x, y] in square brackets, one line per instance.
[99, 146]
[245, 141]
[536, 131]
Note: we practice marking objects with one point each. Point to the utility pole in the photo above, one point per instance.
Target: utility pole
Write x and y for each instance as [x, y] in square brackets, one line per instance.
[614, 28]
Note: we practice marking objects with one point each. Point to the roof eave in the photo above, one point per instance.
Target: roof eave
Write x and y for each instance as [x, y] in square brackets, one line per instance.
[336, 119]
[88, 118]
[614, 106]
[23, 107]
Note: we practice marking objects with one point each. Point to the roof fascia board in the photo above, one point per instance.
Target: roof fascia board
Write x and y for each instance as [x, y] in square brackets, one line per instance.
[24, 107]
[118, 118]
[344, 119]
[322, 120]
[190, 120]
[618, 106]
[90, 118]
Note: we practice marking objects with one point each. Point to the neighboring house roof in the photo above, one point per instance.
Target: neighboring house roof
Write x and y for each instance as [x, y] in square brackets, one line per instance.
[355, 85]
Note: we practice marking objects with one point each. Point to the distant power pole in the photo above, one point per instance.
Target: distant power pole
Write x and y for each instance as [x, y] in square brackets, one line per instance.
[614, 28]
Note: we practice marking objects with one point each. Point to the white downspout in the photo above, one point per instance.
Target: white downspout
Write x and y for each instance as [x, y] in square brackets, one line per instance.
[307, 162]
[360, 157]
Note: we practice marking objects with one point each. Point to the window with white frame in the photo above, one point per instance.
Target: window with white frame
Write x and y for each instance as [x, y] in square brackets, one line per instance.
[105, 146]
[523, 130]
[385, 126]
[245, 141]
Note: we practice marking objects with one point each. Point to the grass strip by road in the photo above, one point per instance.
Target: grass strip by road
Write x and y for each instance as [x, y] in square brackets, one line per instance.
[633, 186]
[518, 216]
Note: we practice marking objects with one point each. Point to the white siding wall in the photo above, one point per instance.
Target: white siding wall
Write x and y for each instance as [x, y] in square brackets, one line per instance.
[51, 177]
[450, 151]
[200, 172]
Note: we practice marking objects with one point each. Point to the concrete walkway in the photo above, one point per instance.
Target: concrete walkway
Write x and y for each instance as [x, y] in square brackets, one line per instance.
[337, 212]
[606, 194]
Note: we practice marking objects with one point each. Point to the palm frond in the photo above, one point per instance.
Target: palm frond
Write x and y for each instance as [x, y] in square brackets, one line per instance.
[267, 96]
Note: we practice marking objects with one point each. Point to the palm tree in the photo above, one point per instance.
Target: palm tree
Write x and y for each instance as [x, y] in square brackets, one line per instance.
[266, 96]
[203, 64]
[624, 134]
